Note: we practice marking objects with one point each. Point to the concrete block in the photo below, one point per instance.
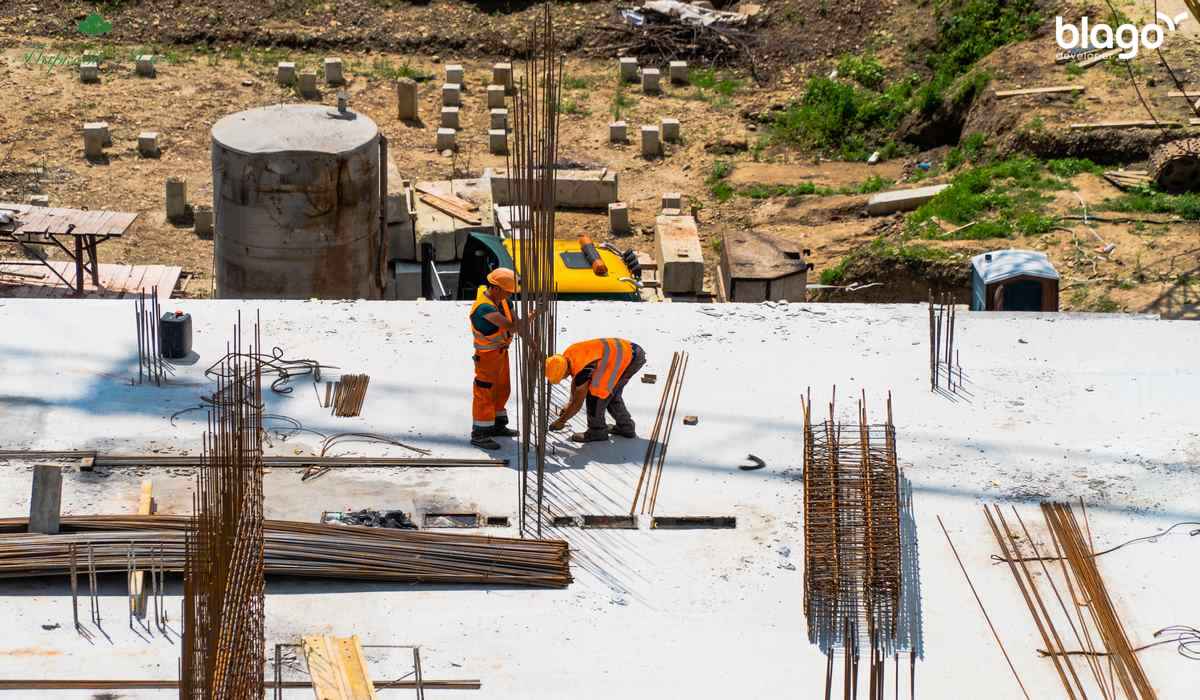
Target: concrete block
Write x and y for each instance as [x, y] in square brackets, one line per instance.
[680, 257]
[670, 130]
[147, 144]
[89, 72]
[402, 242]
[679, 72]
[285, 73]
[450, 117]
[95, 138]
[901, 200]
[308, 83]
[497, 141]
[445, 139]
[406, 99]
[333, 71]
[202, 220]
[573, 189]
[176, 198]
[406, 278]
[618, 218]
[495, 96]
[629, 69]
[455, 74]
[399, 201]
[502, 75]
[650, 84]
[672, 200]
[45, 501]
[651, 147]
[499, 118]
[145, 66]
[39, 200]
[451, 95]
[617, 132]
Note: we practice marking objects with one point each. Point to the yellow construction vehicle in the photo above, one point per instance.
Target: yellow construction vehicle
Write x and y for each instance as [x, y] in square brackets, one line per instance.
[581, 270]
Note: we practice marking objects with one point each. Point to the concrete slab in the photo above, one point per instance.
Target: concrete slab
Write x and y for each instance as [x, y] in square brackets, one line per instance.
[901, 200]
[574, 189]
[680, 256]
[1056, 409]
[510, 220]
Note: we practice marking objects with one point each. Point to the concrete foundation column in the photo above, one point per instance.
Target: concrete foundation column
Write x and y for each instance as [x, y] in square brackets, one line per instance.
[176, 198]
[670, 130]
[651, 147]
[672, 200]
[502, 75]
[618, 218]
[450, 117]
[145, 66]
[495, 96]
[617, 132]
[308, 83]
[148, 144]
[679, 72]
[46, 499]
[455, 74]
[499, 119]
[202, 220]
[445, 139]
[650, 78]
[285, 73]
[95, 136]
[451, 95]
[498, 141]
[629, 66]
[89, 72]
[406, 99]
[333, 71]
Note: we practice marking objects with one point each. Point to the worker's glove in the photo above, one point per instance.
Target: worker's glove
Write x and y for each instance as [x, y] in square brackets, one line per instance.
[559, 424]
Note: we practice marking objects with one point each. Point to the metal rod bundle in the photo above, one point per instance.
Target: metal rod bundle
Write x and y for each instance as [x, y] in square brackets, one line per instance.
[294, 549]
[347, 395]
[943, 355]
[852, 549]
[151, 367]
[532, 170]
[660, 436]
[223, 653]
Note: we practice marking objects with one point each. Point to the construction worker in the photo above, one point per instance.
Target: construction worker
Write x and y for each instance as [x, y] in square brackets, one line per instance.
[493, 324]
[600, 369]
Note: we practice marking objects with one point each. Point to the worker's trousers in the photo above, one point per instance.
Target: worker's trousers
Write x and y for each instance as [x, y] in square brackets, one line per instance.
[491, 389]
[615, 403]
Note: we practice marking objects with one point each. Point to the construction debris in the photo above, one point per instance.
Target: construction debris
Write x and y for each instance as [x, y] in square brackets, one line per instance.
[901, 200]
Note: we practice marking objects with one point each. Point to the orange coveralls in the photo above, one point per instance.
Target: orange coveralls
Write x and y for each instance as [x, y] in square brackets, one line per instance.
[491, 390]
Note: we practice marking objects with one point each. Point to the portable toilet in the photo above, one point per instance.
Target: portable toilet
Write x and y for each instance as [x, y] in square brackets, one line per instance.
[1013, 280]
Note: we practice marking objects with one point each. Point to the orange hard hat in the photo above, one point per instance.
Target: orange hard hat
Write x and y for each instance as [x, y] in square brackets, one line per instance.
[556, 368]
[505, 279]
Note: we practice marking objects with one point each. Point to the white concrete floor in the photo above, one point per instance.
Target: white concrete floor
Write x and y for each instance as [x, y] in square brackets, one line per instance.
[1059, 406]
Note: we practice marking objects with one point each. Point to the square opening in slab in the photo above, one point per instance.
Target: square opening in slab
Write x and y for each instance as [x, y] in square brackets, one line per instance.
[694, 522]
[613, 522]
[438, 520]
[496, 521]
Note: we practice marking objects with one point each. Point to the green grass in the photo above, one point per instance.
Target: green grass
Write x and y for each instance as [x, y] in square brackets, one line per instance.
[721, 190]
[572, 82]
[1070, 167]
[884, 250]
[841, 117]
[621, 101]
[383, 69]
[835, 274]
[1185, 206]
[708, 79]
[864, 70]
[568, 105]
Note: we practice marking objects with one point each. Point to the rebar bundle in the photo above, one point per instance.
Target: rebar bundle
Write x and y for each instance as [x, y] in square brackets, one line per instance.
[532, 175]
[151, 367]
[345, 397]
[291, 549]
[943, 355]
[223, 652]
[852, 548]
[660, 436]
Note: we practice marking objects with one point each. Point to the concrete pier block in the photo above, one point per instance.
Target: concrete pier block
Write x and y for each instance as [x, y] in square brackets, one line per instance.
[672, 200]
[495, 96]
[618, 218]
[89, 72]
[147, 144]
[451, 95]
[680, 257]
[95, 138]
[670, 130]
[406, 99]
[202, 220]
[308, 83]
[651, 146]
[145, 66]
[176, 198]
[679, 72]
[650, 84]
[446, 139]
[333, 72]
[45, 501]
[498, 141]
[285, 73]
[502, 75]
[901, 200]
[499, 118]
[617, 132]
[450, 117]
[629, 68]
[455, 74]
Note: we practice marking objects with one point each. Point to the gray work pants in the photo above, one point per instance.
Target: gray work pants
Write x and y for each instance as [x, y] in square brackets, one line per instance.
[615, 404]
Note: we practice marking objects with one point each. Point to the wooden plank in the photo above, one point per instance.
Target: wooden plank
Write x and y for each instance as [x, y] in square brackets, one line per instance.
[59, 220]
[134, 283]
[137, 587]
[31, 222]
[355, 667]
[1098, 58]
[1130, 124]
[450, 210]
[1040, 91]
[153, 275]
[452, 198]
[112, 276]
[324, 668]
[67, 270]
[102, 224]
[447, 205]
[166, 285]
[118, 223]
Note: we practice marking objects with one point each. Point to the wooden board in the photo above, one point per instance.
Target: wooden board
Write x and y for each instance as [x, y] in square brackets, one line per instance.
[58, 220]
[1039, 91]
[455, 200]
[337, 668]
[137, 587]
[116, 281]
[1130, 124]
[447, 207]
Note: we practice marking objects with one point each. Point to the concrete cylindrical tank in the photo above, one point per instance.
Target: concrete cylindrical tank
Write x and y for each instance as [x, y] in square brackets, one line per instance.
[296, 199]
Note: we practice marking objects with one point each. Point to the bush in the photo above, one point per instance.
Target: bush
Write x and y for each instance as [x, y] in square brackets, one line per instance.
[838, 115]
[1002, 198]
[864, 70]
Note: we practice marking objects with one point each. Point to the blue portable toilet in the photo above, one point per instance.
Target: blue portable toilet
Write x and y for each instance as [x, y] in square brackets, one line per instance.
[1013, 280]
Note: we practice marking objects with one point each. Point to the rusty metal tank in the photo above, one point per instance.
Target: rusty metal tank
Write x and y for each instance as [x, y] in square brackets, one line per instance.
[296, 199]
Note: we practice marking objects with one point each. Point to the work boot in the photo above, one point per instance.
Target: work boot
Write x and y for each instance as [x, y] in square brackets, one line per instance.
[591, 436]
[482, 437]
[625, 431]
[501, 429]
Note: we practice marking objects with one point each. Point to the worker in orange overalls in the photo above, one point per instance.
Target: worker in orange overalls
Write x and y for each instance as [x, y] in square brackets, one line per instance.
[493, 324]
[600, 369]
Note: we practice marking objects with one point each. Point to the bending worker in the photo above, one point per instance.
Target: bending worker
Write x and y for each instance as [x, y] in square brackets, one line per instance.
[493, 324]
[600, 369]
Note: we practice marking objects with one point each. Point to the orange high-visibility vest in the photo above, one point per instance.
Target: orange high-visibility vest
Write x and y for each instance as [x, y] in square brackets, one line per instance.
[611, 355]
[501, 338]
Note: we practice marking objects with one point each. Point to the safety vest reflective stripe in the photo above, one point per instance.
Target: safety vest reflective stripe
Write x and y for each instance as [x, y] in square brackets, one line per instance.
[610, 355]
[499, 340]
[604, 379]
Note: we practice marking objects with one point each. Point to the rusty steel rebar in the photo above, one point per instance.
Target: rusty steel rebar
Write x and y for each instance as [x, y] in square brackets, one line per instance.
[660, 436]
[943, 353]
